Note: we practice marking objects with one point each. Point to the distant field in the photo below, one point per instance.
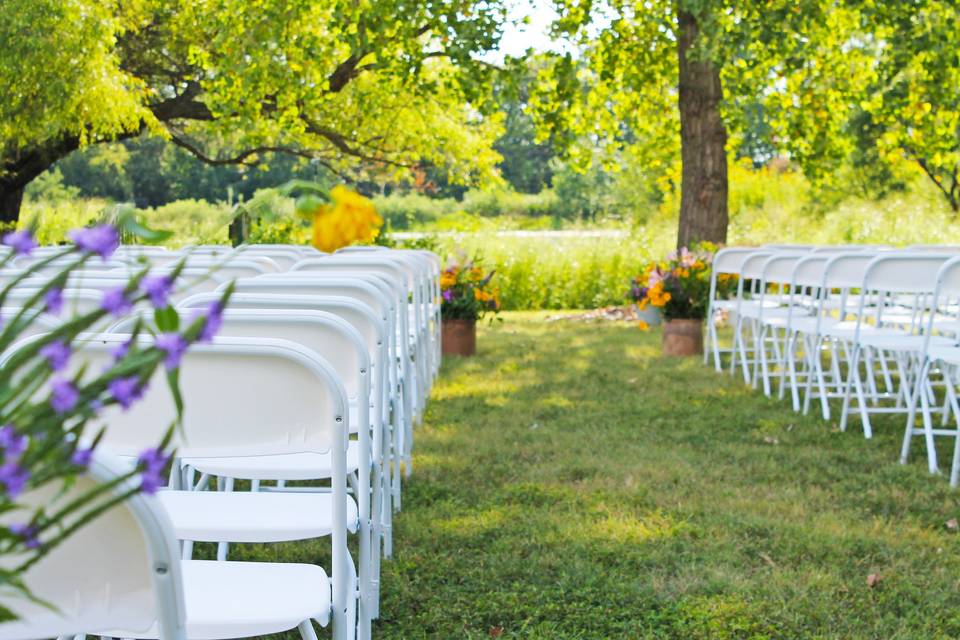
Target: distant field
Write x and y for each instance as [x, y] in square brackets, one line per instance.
[556, 269]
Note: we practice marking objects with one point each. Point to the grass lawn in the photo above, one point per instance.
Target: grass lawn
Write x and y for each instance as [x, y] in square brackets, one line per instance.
[571, 483]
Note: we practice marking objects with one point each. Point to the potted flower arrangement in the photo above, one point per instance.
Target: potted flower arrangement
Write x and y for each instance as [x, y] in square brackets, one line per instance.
[467, 297]
[48, 408]
[679, 287]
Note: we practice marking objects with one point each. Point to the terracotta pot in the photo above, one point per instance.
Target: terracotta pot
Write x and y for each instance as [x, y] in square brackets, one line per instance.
[458, 337]
[683, 338]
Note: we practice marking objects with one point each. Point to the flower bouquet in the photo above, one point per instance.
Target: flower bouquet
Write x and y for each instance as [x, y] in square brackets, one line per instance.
[468, 296]
[679, 287]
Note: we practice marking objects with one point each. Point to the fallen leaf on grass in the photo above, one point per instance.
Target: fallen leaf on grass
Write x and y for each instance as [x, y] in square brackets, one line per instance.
[770, 440]
[767, 559]
[952, 524]
[873, 580]
[496, 632]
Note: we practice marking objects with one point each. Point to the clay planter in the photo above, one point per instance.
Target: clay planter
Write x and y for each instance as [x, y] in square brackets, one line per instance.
[458, 337]
[683, 338]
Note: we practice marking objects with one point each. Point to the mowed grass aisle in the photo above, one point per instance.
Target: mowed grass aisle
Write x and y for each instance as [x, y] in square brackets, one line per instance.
[570, 483]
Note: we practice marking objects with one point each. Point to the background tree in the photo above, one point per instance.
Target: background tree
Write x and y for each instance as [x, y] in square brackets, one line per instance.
[386, 84]
[829, 84]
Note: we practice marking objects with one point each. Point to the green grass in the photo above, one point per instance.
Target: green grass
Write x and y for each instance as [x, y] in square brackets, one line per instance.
[571, 483]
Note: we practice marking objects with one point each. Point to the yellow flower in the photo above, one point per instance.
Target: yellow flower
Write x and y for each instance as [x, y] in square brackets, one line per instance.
[448, 279]
[643, 325]
[349, 219]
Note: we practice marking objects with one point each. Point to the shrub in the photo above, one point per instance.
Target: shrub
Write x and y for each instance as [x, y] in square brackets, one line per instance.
[54, 218]
[192, 221]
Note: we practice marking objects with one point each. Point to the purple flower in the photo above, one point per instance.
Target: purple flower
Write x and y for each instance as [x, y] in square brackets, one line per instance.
[115, 301]
[64, 395]
[12, 442]
[174, 345]
[22, 242]
[101, 239]
[14, 478]
[28, 533]
[126, 390]
[158, 288]
[152, 462]
[213, 320]
[54, 300]
[119, 352]
[448, 295]
[57, 354]
[81, 457]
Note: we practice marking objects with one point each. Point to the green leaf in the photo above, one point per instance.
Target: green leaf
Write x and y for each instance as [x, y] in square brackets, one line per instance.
[167, 319]
[124, 217]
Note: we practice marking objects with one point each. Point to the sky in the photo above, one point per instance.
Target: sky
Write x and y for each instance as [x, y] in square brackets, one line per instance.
[520, 37]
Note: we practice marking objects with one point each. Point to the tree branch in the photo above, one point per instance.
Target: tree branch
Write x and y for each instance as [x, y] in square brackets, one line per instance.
[240, 158]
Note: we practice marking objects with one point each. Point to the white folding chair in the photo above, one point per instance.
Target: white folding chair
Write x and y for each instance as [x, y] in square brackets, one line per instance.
[944, 361]
[119, 571]
[369, 289]
[877, 339]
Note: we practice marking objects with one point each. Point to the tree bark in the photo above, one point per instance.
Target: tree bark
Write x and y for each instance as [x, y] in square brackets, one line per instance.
[703, 141]
[10, 201]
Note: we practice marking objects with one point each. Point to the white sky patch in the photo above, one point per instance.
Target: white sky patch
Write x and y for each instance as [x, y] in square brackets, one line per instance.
[534, 34]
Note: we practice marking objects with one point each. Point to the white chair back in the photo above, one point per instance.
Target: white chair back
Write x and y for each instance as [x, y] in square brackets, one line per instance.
[119, 571]
[242, 397]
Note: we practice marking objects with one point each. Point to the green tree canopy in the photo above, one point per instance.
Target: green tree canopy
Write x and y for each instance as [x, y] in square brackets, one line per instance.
[383, 85]
[863, 82]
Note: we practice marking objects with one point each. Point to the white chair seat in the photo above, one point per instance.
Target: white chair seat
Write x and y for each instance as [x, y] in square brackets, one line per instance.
[293, 466]
[880, 340]
[243, 516]
[766, 312]
[949, 355]
[808, 324]
[847, 329]
[781, 320]
[243, 599]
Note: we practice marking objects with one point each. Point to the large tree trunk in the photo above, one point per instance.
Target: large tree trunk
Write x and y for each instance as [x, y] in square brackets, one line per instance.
[18, 168]
[703, 139]
[10, 200]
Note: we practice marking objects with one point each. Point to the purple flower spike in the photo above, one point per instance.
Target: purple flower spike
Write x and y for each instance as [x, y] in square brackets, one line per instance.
[28, 533]
[115, 301]
[174, 345]
[158, 288]
[126, 391]
[212, 324]
[64, 395]
[14, 479]
[22, 242]
[101, 239]
[12, 442]
[57, 354]
[81, 457]
[448, 295]
[119, 352]
[152, 462]
[54, 300]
